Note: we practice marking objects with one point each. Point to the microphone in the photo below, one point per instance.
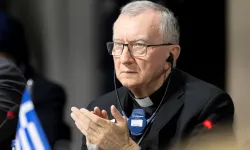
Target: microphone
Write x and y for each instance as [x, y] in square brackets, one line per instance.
[208, 124]
[10, 115]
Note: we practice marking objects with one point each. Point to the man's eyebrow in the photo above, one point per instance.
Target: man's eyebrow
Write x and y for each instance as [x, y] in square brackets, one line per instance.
[116, 39]
[138, 38]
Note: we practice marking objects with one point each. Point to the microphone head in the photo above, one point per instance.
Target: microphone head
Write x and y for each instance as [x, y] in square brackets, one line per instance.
[208, 124]
[12, 112]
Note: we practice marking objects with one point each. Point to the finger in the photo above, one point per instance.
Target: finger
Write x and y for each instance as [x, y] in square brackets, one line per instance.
[96, 119]
[97, 111]
[86, 129]
[86, 122]
[74, 109]
[81, 128]
[117, 115]
[74, 114]
[104, 114]
[79, 116]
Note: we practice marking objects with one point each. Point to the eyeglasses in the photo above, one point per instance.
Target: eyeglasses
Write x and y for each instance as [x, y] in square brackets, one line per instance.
[135, 49]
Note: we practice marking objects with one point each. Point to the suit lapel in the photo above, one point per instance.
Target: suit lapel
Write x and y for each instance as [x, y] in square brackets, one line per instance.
[167, 111]
[172, 103]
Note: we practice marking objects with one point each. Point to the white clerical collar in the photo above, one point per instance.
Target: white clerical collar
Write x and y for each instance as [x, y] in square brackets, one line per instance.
[144, 102]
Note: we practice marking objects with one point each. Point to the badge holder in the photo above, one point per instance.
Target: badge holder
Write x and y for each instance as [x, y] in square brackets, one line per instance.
[137, 122]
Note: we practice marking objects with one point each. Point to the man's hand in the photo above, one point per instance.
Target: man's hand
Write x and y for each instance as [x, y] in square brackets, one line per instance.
[103, 114]
[102, 132]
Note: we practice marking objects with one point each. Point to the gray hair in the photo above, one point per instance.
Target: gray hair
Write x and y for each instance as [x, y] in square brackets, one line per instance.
[168, 26]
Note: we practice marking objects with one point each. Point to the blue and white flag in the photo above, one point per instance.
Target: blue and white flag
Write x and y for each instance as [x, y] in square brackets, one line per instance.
[30, 134]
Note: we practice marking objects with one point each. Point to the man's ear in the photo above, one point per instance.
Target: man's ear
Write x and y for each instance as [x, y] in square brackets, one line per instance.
[172, 56]
[170, 61]
[175, 50]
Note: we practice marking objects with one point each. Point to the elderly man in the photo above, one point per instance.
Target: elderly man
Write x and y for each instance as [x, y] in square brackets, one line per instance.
[158, 106]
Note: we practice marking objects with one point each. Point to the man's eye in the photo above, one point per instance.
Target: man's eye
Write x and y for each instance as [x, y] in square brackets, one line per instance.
[118, 44]
[139, 45]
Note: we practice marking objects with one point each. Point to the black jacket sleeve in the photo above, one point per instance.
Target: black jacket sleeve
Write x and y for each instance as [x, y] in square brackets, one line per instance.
[214, 127]
[12, 84]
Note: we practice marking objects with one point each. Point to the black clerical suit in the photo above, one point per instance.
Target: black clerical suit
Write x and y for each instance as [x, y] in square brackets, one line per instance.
[188, 103]
[12, 84]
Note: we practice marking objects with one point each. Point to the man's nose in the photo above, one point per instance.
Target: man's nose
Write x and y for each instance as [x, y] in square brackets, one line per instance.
[126, 56]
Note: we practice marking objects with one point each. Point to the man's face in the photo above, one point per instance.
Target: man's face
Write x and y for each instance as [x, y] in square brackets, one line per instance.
[135, 72]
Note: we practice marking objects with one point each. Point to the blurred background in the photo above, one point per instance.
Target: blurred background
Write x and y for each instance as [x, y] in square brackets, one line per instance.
[66, 43]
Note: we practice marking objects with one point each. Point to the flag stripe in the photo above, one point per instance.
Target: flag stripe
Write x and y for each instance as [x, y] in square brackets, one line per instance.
[23, 139]
[31, 144]
[35, 136]
[17, 144]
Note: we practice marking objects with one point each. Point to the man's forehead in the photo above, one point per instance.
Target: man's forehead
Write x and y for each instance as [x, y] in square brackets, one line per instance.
[133, 38]
[121, 34]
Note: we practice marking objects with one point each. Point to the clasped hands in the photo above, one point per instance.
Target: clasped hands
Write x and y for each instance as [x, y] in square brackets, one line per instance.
[99, 130]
